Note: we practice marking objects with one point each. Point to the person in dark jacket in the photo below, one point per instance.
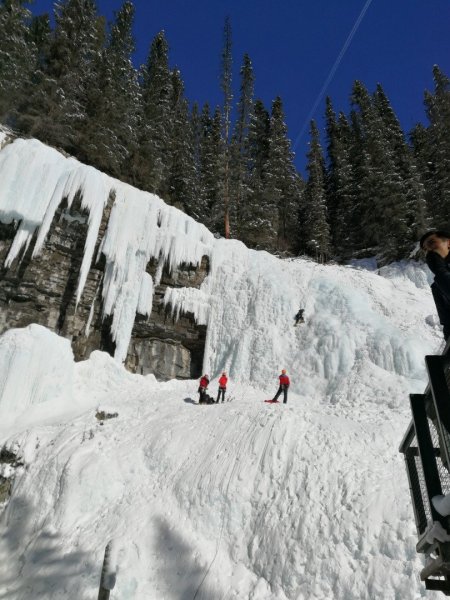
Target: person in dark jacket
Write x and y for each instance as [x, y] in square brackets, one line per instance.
[204, 382]
[436, 244]
[222, 387]
[299, 318]
[284, 386]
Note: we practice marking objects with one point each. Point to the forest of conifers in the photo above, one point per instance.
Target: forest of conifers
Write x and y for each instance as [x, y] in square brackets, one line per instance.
[370, 189]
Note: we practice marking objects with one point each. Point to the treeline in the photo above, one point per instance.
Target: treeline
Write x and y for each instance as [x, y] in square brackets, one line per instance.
[370, 192]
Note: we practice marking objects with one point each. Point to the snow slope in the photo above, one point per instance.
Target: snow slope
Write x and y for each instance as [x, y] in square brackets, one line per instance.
[242, 500]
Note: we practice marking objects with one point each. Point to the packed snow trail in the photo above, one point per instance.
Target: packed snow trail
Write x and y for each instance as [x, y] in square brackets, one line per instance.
[296, 501]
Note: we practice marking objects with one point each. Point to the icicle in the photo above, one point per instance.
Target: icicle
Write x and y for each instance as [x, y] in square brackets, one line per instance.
[145, 295]
[36, 178]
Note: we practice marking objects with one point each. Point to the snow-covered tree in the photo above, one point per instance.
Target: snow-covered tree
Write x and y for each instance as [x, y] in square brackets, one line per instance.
[17, 53]
[314, 228]
[112, 111]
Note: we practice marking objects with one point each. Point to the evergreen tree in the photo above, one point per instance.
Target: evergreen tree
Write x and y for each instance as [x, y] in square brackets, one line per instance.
[283, 181]
[110, 130]
[55, 110]
[149, 164]
[41, 35]
[226, 80]
[210, 170]
[437, 175]
[315, 232]
[258, 212]
[239, 148]
[384, 207]
[180, 155]
[413, 191]
[339, 182]
[17, 53]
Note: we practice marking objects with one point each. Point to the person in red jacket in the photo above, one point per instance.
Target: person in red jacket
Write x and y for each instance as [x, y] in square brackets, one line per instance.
[284, 386]
[222, 387]
[204, 382]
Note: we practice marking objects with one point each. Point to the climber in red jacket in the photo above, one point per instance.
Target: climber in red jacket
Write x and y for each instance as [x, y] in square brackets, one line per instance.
[284, 386]
[204, 382]
[222, 387]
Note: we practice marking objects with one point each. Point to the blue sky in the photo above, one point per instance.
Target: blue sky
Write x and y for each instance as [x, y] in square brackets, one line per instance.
[294, 44]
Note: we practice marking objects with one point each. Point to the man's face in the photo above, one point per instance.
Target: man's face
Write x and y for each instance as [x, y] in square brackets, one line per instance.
[436, 244]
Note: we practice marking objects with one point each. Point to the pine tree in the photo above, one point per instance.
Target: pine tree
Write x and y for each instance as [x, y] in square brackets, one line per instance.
[257, 212]
[18, 53]
[149, 164]
[384, 210]
[315, 232]
[55, 112]
[282, 181]
[339, 182]
[438, 173]
[210, 170]
[180, 154]
[226, 81]
[413, 191]
[110, 129]
[239, 149]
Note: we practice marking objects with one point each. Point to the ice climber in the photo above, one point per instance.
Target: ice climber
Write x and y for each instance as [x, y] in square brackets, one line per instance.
[284, 386]
[436, 244]
[204, 382]
[222, 387]
[299, 318]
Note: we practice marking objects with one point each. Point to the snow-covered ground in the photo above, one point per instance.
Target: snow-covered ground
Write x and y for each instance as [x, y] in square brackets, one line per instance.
[304, 501]
[240, 500]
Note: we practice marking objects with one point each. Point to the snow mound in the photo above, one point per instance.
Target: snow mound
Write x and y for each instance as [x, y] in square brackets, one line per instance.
[245, 499]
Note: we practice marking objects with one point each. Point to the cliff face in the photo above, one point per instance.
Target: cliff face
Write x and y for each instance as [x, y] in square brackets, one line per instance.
[42, 289]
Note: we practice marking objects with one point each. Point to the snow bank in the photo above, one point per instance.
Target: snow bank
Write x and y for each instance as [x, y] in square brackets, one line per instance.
[243, 499]
[36, 377]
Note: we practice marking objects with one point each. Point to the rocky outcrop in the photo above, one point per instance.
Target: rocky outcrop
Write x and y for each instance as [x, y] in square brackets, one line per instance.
[42, 290]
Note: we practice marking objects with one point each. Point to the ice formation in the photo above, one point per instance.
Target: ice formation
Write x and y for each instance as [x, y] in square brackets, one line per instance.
[35, 179]
[141, 227]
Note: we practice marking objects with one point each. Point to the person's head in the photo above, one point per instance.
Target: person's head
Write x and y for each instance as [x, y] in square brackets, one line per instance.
[436, 240]
[207, 376]
[224, 374]
[283, 371]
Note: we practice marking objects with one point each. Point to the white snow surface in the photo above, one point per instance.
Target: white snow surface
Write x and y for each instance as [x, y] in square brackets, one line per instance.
[243, 500]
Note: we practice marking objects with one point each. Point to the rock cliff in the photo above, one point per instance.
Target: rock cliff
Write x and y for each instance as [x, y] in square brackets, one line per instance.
[42, 289]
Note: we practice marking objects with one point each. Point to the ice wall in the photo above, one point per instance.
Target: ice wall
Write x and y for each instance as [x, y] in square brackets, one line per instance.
[34, 181]
[356, 320]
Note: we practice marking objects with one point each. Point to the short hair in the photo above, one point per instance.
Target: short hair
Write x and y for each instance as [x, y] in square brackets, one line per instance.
[441, 233]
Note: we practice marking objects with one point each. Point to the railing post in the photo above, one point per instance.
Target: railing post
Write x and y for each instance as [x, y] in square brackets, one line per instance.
[427, 454]
[441, 400]
[415, 491]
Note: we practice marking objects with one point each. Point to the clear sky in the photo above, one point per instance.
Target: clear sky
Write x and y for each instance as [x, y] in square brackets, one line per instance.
[294, 44]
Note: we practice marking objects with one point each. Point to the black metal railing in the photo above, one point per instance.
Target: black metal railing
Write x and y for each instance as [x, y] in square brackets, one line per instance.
[426, 449]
